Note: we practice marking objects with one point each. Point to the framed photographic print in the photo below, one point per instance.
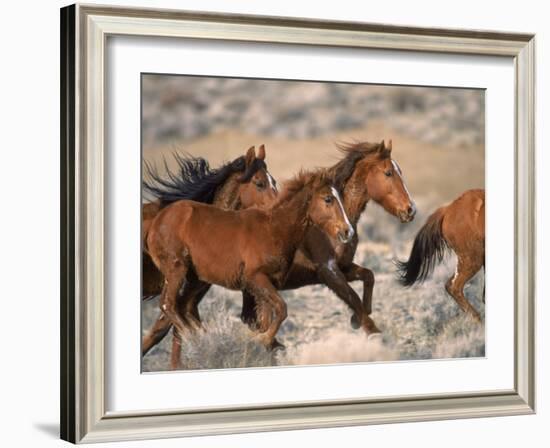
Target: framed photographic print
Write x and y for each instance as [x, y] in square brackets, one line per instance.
[269, 223]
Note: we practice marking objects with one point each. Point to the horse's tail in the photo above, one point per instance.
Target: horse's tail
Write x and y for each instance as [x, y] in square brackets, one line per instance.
[427, 251]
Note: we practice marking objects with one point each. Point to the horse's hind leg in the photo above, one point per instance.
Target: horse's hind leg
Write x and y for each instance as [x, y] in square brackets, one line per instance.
[167, 304]
[188, 309]
[163, 324]
[169, 297]
[160, 328]
[466, 268]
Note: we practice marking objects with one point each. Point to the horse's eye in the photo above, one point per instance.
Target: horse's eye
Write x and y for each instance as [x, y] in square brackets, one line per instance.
[260, 185]
[388, 173]
[328, 199]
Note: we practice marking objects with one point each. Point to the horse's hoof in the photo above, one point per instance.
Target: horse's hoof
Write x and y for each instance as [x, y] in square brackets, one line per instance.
[372, 331]
[354, 321]
[270, 345]
[370, 327]
[276, 345]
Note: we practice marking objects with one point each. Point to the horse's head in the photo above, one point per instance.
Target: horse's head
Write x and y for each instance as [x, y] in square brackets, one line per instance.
[385, 185]
[375, 175]
[257, 187]
[326, 211]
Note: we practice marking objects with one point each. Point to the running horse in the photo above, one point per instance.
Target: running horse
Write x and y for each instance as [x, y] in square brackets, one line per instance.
[459, 226]
[196, 245]
[366, 172]
[236, 185]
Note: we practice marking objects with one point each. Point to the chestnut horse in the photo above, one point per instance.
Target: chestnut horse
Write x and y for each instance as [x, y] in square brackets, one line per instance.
[366, 172]
[195, 245]
[242, 183]
[459, 226]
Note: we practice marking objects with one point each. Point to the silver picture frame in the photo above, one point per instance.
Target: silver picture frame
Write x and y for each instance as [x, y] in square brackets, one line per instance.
[84, 33]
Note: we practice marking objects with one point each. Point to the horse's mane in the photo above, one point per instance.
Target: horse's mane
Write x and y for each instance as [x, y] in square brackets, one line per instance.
[353, 152]
[195, 179]
[304, 181]
[336, 175]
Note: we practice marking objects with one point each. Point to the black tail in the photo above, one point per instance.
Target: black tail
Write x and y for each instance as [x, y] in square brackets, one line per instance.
[427, 251]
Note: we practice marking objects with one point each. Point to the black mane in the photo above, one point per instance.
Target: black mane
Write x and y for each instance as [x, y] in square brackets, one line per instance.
[195, 179]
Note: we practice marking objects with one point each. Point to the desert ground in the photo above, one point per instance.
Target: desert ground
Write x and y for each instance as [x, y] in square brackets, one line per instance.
[438, 140]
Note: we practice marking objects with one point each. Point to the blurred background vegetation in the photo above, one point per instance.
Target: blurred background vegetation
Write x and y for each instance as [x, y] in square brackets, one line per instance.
[438, 139]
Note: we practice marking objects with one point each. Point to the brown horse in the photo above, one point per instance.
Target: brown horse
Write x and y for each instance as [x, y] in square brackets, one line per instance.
[196, 245]
[461, 227]
[240, 184]
[367, 172]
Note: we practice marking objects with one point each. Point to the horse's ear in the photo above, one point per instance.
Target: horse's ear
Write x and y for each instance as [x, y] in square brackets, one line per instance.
[389, 146]
[382, 145]
[250, 155]
[261, 152]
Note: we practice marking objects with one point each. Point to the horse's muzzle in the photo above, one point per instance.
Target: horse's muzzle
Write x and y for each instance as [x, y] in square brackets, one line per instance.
[409, 214]
[345, 236]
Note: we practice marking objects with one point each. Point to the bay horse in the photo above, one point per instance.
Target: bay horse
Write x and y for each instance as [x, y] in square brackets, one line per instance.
[239, 184]
[459, 226]
[366, 172]
[195, 245]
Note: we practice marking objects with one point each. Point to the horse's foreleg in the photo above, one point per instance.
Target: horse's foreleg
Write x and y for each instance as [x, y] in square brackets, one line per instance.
[188, 309]
[331, 275]
[248, 313]
[263, 290]
[465, 270]
[256, 313]
[264, 312]
[356, 272]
